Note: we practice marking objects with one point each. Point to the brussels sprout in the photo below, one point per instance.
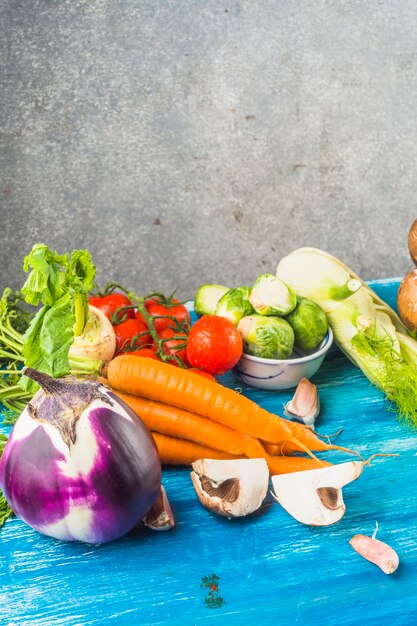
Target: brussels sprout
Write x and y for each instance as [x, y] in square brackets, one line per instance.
[309, 323]
[266, 337]
[271, 296]
[207, 297]
[234, 304]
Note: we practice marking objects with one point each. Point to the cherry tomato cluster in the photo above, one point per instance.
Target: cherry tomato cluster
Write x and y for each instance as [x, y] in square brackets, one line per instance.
[159, 327]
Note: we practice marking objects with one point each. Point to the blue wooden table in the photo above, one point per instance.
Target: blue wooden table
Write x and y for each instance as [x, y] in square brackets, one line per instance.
[268, 569]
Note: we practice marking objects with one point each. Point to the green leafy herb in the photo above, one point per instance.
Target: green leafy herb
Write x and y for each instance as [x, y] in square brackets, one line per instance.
[389, 371]
[13, 312]
[5, 510]
[213, 599]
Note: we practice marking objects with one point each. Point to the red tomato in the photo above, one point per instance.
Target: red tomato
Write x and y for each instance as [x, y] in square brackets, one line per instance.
[204, 374]
[138, 315]
[214, 344]
[109, 305]
[174, 347]
[144, 352]
[158, 310]
[127, 335]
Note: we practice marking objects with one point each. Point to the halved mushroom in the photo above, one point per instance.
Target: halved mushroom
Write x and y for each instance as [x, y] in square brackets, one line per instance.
[232, 488]
[305, 404]
[315, 497]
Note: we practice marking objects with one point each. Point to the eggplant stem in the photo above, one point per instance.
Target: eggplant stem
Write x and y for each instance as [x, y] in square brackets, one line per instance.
[48, 384]
[67, 399]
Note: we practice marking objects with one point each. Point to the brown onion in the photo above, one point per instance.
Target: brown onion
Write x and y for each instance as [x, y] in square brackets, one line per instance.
[407, 300]
[412, 241]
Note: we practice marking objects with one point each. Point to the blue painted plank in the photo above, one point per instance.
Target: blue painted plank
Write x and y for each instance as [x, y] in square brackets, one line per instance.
[271, 569]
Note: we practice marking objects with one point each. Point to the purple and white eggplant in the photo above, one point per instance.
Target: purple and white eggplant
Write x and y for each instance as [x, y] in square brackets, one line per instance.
[79, 463]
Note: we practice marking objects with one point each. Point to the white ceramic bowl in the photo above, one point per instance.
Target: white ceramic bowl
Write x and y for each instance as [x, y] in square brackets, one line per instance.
[282, 373]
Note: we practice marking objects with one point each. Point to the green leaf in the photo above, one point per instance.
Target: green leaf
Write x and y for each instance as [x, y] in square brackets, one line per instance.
[48, 340]
[80, 276]
[46, 281]
[80, 272]
[4, 303]
[5, 510]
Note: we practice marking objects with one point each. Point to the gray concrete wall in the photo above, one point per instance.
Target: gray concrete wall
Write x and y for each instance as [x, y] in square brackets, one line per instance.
[192, 141]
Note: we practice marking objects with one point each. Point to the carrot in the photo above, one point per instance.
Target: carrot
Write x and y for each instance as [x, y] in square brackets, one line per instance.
[174, 451]
[304, 436]
[288, 464]
[178, 387]
[173, 422]
[278, 449]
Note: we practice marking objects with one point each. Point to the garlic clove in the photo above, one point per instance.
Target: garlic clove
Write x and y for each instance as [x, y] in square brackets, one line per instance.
[305, 404]
[314, 497]
[160, 516]
[376, 552]
[232, 488]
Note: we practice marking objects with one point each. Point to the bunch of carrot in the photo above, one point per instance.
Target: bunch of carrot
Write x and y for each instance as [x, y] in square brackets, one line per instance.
[192, 417]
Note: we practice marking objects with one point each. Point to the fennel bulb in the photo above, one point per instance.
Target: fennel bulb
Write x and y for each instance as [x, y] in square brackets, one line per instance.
[365, 328]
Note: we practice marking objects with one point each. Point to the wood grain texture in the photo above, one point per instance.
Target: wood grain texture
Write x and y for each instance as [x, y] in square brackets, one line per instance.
[271, 569]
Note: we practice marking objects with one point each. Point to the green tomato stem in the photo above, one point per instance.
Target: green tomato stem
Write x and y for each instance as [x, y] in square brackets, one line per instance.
[149, 319]
[140, 305]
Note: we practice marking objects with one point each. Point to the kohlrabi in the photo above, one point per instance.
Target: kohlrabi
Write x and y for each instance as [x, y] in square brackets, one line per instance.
[60, 284]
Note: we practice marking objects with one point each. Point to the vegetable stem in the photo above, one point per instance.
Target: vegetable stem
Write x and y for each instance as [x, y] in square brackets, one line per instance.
[345, 291]
[84, 365]
[10, 355]
[166, 358]
[80, 312]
